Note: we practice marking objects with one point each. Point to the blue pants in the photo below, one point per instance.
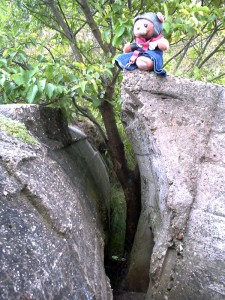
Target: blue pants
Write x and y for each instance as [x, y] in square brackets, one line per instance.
[122, 61]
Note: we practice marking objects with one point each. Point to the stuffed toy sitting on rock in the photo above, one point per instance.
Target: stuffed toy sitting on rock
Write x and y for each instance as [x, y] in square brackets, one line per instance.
[147, 52]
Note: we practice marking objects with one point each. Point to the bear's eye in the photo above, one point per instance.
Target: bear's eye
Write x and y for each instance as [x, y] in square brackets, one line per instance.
[146, 25]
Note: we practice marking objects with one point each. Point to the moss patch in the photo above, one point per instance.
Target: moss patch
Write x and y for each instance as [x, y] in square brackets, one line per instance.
[117, 221]
[17, 130]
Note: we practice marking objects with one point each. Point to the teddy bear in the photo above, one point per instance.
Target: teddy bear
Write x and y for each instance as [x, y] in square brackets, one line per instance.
[147, 51]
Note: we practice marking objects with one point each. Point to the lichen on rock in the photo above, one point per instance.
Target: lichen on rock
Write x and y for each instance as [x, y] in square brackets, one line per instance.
[16, 129]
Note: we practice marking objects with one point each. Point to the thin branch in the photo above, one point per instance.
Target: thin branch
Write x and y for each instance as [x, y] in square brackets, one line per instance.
[180, 51]
[48, 51]
[66, 29]
[115, 76]
[184, 53]
[47, 24]
[62, 12]
[73, 43]
[93, 26]
[212, 53]
[206, 45]
[86, 113]
[87, 98]
[84, 22]
[23, 66]
[129, 5]
[175, 55]
[79, 29]
[217, 77]
[60, 21]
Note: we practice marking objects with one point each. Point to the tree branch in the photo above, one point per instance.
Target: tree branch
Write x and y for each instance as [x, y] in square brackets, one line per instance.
[60, 20]
[23, 66]
[49, 51]
[47, 24]
[94, 28]
[206, 45]
[212, 53]
[67, 31]
[217, 77]
[86, 113]
[62, 12]
[129, 5]
[178, 53]
[185, 49]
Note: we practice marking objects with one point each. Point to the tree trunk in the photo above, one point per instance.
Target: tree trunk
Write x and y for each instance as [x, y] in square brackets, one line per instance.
[129, 180]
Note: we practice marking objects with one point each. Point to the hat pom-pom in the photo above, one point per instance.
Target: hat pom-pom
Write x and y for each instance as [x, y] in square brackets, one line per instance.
[160, 17]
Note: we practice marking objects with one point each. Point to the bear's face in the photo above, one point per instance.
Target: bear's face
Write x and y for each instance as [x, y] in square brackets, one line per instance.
[143, 28]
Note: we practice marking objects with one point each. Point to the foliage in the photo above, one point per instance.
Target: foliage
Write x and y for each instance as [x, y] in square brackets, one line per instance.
[117, 221]
[196, 30]
[17, 130]
[38, 67]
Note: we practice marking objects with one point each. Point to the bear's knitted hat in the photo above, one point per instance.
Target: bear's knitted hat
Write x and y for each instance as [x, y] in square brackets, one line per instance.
[156, 19]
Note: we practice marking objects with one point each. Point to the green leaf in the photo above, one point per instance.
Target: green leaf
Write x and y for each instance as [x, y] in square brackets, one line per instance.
[83, 85]
[32, 91]
[109, 73]
[117, 41]
[96, 102]
[28, 74]
[49, 89]
[18, 79]
[166, 27]
[59, 89]
[3, 62]
[197, 73]
[79, 65]
[94, 84]
[33, 41]
[119, 31]
[2, 80]
[185, 12]
[9, 87]
[107, 33]
[41, 58]
[41, 85]
[165, 11]
[22, 56]
[33, 71]
[108, 65]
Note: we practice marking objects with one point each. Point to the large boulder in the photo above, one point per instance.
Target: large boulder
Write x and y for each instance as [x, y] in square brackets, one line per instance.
[177, 129]
[53, 211]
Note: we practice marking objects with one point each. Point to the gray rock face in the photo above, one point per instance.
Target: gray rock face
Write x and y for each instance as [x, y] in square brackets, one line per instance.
[53, 211]
[177, 129]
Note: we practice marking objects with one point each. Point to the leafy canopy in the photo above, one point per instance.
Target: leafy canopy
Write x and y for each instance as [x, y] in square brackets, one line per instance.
[51, 53]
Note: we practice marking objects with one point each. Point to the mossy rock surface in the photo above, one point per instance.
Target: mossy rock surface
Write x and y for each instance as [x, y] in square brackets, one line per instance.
[16, 129]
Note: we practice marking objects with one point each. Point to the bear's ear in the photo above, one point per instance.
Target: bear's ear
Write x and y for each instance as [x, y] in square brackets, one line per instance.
[160, 17]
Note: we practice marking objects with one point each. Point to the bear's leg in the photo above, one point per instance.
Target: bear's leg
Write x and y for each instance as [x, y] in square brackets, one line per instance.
[144, 63]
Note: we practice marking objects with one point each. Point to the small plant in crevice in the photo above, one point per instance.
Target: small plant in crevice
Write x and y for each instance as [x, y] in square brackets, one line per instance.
[116, 263]
[117, 221]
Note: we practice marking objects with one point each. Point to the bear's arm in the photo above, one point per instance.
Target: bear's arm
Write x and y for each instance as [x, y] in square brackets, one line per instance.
[130, 47]
[134, 46]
